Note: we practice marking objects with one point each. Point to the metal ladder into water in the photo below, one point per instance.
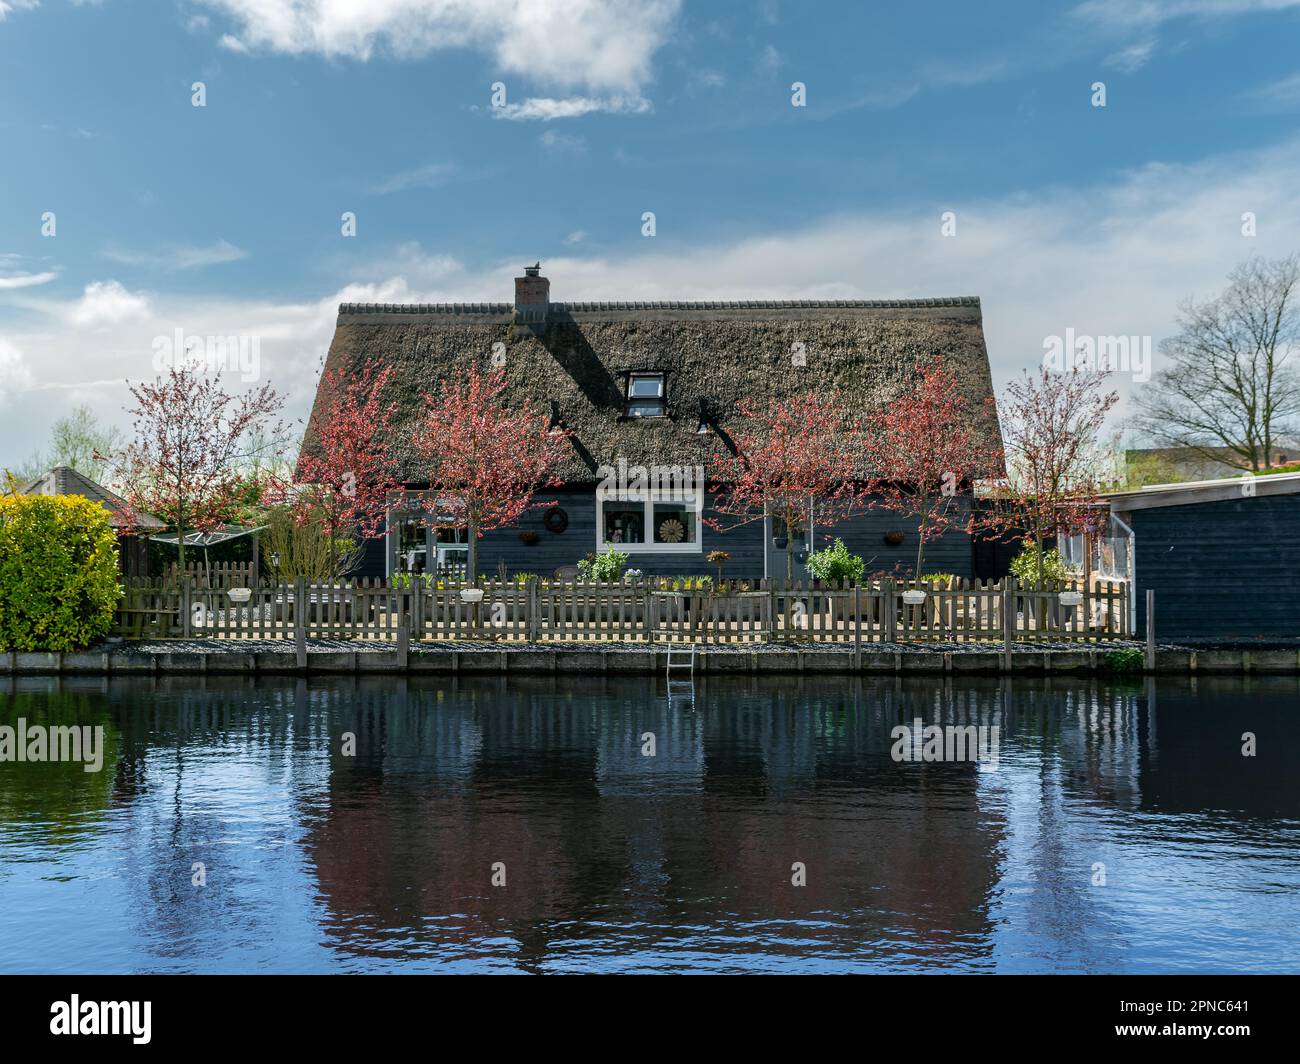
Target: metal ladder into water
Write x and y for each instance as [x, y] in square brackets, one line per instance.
[679, 689]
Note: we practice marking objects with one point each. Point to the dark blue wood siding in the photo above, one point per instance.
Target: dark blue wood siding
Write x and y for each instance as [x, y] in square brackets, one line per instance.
[1220, 570]
[863, 534]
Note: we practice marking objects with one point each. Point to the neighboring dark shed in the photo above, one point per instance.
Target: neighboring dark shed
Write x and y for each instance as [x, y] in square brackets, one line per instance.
[1222, 556]
[132, 527]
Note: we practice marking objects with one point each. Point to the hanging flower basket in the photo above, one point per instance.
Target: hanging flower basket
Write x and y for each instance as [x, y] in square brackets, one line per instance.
[471, 594]
[240, 594]
[1071, 598]
[914, 597]
[893, 539]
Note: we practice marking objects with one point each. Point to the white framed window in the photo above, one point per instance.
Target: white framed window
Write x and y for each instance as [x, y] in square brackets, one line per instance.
[658, 526]
[645, 395]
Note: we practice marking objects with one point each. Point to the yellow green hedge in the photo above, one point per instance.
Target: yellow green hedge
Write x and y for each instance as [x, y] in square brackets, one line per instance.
[58, 572]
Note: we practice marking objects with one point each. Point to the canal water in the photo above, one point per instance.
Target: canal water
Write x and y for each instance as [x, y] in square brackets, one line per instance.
[567, 824]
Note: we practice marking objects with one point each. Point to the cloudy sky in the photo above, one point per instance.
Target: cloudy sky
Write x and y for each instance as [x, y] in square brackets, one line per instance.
[225, 219]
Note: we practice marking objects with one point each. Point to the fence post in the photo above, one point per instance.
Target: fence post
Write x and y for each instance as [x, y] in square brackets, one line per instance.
[857, 628]
[1008, 623]
[403, 638]
[186, 606]
[1151, 630]
[889, 606]
[300, 620]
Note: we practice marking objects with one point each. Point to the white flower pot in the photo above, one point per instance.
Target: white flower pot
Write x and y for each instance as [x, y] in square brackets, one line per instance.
[914, 598]
[240, 594]
[471, 594]
[1071, 598]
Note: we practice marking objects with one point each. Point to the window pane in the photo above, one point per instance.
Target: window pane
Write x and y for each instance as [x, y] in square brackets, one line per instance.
[625, 522]
[645, 408]
[646, 387]
[412, 547]
[674, 523]
[779, 532]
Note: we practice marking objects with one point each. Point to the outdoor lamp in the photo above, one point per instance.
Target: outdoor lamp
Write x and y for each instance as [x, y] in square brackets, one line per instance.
[703, 428]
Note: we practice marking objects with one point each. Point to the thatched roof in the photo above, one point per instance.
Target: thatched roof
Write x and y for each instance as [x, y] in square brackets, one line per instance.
[578, 355]
[64, 480]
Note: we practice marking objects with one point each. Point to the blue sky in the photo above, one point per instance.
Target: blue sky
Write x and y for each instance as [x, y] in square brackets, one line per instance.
[225, 219]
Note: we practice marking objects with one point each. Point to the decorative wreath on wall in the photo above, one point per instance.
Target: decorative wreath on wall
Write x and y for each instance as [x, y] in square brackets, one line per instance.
[555, 520]
[672, 531]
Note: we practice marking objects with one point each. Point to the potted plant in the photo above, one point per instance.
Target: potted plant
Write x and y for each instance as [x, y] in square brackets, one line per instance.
[718, 558]
[835, 565]
[606, 568]
[1050, 575]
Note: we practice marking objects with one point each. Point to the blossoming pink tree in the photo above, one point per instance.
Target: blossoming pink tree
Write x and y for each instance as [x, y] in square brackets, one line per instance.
[190, 447]
[346, 480]
[793, 460]
[484, 462]
[926, 449]
[1054, 466]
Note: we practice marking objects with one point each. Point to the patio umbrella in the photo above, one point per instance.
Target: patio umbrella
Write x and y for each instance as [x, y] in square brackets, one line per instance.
[208, 539]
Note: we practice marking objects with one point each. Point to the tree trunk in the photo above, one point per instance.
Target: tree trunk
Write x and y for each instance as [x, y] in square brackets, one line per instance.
[180, 536]
[471, 558]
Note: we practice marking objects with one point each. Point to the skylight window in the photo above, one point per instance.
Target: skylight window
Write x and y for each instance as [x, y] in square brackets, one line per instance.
[645, 395]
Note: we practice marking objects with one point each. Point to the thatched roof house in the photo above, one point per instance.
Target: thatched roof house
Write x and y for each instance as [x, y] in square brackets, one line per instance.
[598, 365]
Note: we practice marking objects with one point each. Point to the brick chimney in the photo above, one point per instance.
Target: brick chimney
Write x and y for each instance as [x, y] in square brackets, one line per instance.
[532, 293]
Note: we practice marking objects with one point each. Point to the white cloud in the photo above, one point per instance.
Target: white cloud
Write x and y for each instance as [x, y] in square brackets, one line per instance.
[26, 280]
[1136, 21]
[557, 143]
[179, 257]
[1112, 258]
[605, 45]
[15, 375]
[545, 109]
[1283, 94]
[1133, 57]
[8, 7]
[1148, 14]
[106, 303]
[434, 175]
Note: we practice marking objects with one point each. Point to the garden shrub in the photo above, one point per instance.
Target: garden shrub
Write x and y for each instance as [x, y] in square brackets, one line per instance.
[836, 565]
[1024, 567]
[606, 568]
[58, 572]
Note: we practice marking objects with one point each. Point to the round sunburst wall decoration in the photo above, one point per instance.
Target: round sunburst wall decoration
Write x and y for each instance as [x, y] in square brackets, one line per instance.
[672, 531]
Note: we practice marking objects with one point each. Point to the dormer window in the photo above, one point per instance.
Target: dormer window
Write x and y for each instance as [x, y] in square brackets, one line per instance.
[645, 395]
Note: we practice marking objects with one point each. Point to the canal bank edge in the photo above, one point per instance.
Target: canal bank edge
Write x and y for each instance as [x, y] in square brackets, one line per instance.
[197, 657]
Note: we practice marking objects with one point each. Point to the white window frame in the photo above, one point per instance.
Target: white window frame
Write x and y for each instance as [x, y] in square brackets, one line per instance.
[661, 398]
[650, 546]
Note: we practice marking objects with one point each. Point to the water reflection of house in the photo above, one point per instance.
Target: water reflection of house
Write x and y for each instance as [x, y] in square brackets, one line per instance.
[404, 845]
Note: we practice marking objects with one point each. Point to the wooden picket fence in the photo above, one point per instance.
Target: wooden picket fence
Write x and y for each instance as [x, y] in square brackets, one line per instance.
[645, 611]
[219, 575]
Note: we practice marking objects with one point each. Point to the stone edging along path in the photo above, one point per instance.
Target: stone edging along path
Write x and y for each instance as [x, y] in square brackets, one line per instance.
[250, 657]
